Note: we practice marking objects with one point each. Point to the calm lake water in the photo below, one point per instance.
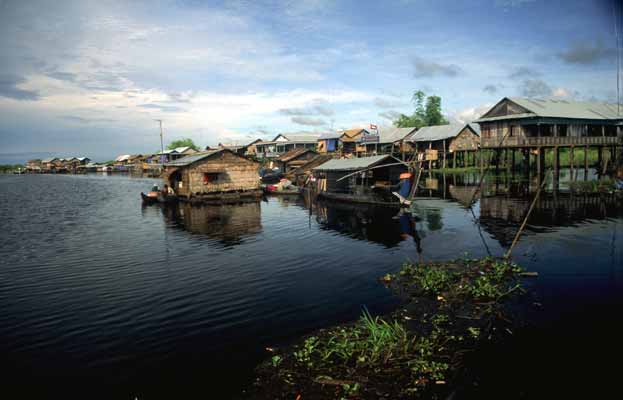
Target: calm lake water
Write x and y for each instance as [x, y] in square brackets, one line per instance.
[100, 294]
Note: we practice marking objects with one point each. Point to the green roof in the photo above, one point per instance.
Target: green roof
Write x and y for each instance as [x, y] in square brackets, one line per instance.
[353, 164]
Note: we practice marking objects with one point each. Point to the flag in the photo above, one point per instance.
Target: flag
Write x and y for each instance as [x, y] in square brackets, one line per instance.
[372, 126]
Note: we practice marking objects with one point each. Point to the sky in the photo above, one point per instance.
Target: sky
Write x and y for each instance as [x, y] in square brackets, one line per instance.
[89, 78]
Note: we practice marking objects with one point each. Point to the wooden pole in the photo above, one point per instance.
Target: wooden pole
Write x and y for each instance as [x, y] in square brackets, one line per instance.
[586, 148]
[525, 220]
[571, 166]
[444, 154]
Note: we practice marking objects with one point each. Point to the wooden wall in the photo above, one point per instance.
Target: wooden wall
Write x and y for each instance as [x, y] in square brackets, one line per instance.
[235, 173]
[465, 140]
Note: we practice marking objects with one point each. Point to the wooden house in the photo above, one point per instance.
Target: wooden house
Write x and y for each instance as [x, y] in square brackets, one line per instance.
[329, 142]
[360, 180]
[33, 166]
[300, 175]
[175, 154]
[51, 164]
[285, 142]
[534, 125]
[251, 148]
[350, 141]
[287, 162]
[387, 140]
[443, 143]
[213, 175]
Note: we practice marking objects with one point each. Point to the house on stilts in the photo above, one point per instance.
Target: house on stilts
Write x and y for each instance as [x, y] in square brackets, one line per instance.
[443, 146]
[534, 126]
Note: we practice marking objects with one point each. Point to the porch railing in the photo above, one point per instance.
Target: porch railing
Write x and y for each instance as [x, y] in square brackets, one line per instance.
[550, 141]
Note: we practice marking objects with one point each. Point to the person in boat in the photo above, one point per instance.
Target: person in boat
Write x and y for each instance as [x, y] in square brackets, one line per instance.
[155, 188]
[403, 188]
[165, 189]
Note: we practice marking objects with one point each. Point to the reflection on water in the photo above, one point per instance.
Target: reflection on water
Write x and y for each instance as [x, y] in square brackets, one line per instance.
[229, 223]
[97, 288]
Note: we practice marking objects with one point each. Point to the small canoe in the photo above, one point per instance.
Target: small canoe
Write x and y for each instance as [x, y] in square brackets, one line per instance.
[149, 199]
[154, 197]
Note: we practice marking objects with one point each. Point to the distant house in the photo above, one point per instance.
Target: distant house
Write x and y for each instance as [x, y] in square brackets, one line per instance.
[212, 174]
[174, 154]
[251, 149]
[240, 149]
[300, 175]
[51, 164]
[388, 140]
[33, 165]
[350, 139]
[442, 141]
[329, 142]
[285, 142]
[122, 159]
[360, 180]
[293, 159]
[84, 160]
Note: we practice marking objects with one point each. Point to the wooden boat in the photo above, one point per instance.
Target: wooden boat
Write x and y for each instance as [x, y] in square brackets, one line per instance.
[156, 197]
[290, 191]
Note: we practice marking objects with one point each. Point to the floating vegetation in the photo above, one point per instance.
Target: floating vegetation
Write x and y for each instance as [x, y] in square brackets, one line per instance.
[416, 352]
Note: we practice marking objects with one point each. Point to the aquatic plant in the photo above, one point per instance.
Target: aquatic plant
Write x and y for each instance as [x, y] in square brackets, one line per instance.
[413, 352]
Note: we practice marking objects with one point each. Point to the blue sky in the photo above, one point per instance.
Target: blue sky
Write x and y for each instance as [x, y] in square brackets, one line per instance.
[89, 77]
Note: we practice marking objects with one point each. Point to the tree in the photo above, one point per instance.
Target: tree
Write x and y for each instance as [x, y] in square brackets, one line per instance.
[433, 112]
[426, 113]
[182, 143]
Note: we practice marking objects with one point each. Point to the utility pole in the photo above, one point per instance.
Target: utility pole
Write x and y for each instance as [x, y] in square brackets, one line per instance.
[161, 136]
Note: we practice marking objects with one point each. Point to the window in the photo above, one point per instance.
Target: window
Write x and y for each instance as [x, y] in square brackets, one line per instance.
[210, 177]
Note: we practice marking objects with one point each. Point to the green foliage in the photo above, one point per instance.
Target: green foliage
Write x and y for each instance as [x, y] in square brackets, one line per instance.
[303, 356]
[276, 361]
[433, 112]
[427, 112]
[187, 142]
[8, 168]
[432, 279]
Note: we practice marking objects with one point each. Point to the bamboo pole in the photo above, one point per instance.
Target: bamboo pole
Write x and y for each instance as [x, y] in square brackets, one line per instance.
[525, 220]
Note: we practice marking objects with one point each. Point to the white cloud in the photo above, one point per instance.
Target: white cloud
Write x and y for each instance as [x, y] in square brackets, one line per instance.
[469, 114]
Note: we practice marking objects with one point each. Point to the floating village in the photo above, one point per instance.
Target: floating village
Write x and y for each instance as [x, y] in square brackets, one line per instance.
[379, 165]
[431, 345]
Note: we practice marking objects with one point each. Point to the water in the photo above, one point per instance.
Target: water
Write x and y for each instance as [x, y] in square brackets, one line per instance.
[97, 291]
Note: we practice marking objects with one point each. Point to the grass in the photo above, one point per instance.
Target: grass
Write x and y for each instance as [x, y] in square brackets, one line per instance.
[416, 351]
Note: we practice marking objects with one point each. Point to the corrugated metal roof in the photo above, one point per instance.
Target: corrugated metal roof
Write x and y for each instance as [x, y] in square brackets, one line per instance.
[184, 161]
[122, 157]
[49, 160]
[552, 108]
[475, 127]
[438, 132]
[330, 135]
[301, 137]
[353, 132]
[393, 134]
[287, 156]
[353, 164]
